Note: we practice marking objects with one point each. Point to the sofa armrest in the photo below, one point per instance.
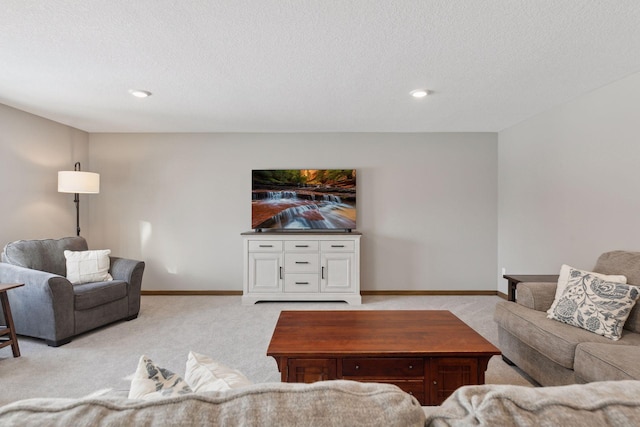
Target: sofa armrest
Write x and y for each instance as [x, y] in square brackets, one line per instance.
[44, 306]
[130, 271]
[536, 295]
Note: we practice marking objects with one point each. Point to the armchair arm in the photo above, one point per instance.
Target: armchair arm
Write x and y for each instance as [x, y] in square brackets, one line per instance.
[43, 307]
[536, 295]
[130, 271]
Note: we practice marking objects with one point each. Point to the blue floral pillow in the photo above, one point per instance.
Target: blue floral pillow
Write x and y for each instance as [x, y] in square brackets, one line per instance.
[596, 305]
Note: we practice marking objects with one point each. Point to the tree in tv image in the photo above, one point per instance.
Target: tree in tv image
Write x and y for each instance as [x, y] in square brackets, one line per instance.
[303, 199]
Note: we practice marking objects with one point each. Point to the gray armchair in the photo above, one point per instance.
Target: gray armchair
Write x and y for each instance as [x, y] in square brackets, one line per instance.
[49, 306]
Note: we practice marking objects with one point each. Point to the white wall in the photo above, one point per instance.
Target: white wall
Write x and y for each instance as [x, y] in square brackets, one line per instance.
[32, 151]
[569, 183]
[427, 204]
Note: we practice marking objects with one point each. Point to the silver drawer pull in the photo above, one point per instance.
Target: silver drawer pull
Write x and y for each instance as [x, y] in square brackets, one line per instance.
[302, 283]
[337, 246]
[266, 246]
[302, 246]
[302, 262]
[410, 366]
[357, 366]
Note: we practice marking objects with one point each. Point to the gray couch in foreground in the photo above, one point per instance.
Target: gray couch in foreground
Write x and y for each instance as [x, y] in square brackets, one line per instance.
[325, 403]
[344, 403]
[49, 306]
[554, 353]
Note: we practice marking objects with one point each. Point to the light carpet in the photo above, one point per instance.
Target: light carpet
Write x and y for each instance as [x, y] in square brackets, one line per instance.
[168, 327]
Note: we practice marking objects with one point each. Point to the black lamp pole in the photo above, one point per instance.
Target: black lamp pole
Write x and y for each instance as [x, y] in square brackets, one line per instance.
[76, 200]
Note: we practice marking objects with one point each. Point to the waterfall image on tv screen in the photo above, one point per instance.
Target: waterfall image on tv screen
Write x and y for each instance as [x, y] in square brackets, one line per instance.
[289, 199]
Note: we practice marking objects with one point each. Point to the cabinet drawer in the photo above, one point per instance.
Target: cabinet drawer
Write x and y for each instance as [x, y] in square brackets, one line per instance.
[338, 246]
[301, 246]
[383, 367]
[301, 263]
[265, 246]
[301, 283]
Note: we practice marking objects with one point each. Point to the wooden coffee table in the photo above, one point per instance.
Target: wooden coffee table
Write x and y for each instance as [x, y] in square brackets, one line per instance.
[428, 354]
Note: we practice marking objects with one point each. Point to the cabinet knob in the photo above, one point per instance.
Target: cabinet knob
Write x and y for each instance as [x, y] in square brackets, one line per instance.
[435, 382]
[410, 366]
[357, 366]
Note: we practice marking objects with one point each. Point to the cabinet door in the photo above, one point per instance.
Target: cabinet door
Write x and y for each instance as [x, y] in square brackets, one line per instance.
[265, 272]
[337, 272]
[311, 370]
[450, 373]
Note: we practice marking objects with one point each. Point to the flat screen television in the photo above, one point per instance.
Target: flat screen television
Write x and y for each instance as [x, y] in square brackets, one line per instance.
[303, 199]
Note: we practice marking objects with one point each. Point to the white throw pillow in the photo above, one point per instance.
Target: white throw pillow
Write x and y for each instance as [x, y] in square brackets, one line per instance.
[565, 274]
[205, 374]
[150, 381]
[88, 266]
[596, 305]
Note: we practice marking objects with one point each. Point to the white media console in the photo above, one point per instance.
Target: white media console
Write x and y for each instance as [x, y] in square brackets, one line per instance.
[293, 266]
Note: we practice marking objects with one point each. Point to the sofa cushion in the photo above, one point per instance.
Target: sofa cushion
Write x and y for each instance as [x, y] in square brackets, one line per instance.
[536, 295]
[324, 403]
[568, 273]
[150, 382]
[88, 266]
[608, 403]
[205, 374]
[89, 295]
[599, 362]
[627, 263]
[44, 255]
[590, 303]
[555, 340]
[620, 262]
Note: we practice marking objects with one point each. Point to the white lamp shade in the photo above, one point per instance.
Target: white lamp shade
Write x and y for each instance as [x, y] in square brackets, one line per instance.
[78, 182]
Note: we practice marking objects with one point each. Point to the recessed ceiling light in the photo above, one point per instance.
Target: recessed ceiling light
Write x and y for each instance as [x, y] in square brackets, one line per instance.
[139, 93]
[419, 93]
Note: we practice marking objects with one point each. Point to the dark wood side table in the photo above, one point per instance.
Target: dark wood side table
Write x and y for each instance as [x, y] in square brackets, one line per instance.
[9, 329]
[514, 279]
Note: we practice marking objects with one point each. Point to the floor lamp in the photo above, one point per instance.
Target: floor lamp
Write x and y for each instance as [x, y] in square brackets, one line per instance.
[78, 182]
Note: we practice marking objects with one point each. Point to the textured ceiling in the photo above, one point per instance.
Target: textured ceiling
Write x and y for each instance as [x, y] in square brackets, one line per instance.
[309, 65]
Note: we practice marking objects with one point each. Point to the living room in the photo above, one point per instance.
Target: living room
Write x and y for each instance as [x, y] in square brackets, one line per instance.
[442, 208]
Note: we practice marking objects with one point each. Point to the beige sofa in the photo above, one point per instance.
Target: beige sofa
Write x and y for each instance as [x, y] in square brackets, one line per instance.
[554, 353]
[340, 402]
[344, 403]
